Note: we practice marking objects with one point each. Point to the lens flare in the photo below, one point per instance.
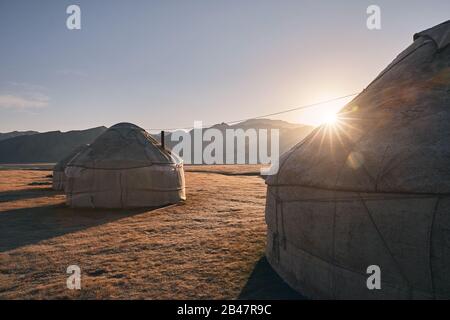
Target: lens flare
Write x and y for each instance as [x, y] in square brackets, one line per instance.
[330, 118]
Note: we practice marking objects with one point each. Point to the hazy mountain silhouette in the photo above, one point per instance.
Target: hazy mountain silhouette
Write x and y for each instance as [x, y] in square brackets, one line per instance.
[13, 134]
[45, 147]
[290, 134]
[55, 145]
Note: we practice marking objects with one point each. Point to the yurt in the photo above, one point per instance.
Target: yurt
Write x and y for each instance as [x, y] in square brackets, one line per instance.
[125, 167]
[373, 190]
[59, 177]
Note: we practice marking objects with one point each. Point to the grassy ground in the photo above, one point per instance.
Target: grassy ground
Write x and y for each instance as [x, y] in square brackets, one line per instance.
[211, 246]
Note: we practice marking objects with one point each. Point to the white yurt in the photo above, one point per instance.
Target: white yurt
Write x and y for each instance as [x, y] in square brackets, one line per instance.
[125, 167]
[372, 189]
[59, 177]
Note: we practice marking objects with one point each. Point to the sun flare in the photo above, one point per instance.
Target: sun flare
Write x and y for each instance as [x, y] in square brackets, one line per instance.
[329, 118]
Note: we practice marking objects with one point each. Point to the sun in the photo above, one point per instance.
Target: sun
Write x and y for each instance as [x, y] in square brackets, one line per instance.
[329, 119]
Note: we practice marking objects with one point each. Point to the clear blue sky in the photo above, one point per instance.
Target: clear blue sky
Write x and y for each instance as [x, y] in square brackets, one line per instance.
[167, 63]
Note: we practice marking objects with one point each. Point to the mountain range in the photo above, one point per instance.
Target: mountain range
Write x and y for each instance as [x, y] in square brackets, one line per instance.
[13, 134]
[48, 147]
[289, 135]
[45, 147]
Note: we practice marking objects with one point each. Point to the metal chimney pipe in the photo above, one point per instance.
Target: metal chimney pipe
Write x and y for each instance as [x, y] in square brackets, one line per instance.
[163, 143]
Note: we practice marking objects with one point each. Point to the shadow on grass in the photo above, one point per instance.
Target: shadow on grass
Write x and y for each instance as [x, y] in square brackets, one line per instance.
[265, 284]
[30, 193]
[25, 226]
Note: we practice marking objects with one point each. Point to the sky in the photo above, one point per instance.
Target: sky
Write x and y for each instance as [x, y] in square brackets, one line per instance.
[165, 64]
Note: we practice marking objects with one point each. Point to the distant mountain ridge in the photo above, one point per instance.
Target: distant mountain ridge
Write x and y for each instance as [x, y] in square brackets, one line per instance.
[55, 145]
[13, 134]
[289, 134]
[45, 147]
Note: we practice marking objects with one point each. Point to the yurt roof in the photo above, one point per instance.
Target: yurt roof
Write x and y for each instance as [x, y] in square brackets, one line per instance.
[124, 146]
[393, 137]
[440, 34]
[61, 165]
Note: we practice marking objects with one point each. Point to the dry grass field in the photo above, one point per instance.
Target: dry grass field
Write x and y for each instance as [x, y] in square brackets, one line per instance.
[210, 247]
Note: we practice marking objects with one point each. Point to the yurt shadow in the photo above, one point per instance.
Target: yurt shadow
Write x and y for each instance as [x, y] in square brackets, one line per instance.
[23, 194]
[26, 226]
[265, 284]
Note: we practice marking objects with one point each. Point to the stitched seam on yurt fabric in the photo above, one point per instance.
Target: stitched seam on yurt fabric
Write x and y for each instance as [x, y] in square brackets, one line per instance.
[364, 191]
[377, 179]
[125, 168]
[373, 180]
[387, 248]
[333, 276]
[396, 165]
[431, 114]
[337, 265]
[353, 144]
[146, 189]
[430, 242]
[350, 199]
[333, 263]
[334, 224]
[392, 165]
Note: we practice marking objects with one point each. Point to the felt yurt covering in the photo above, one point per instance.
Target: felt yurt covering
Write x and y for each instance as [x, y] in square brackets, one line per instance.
[373, 189]
[125, 167]
[59, 177]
